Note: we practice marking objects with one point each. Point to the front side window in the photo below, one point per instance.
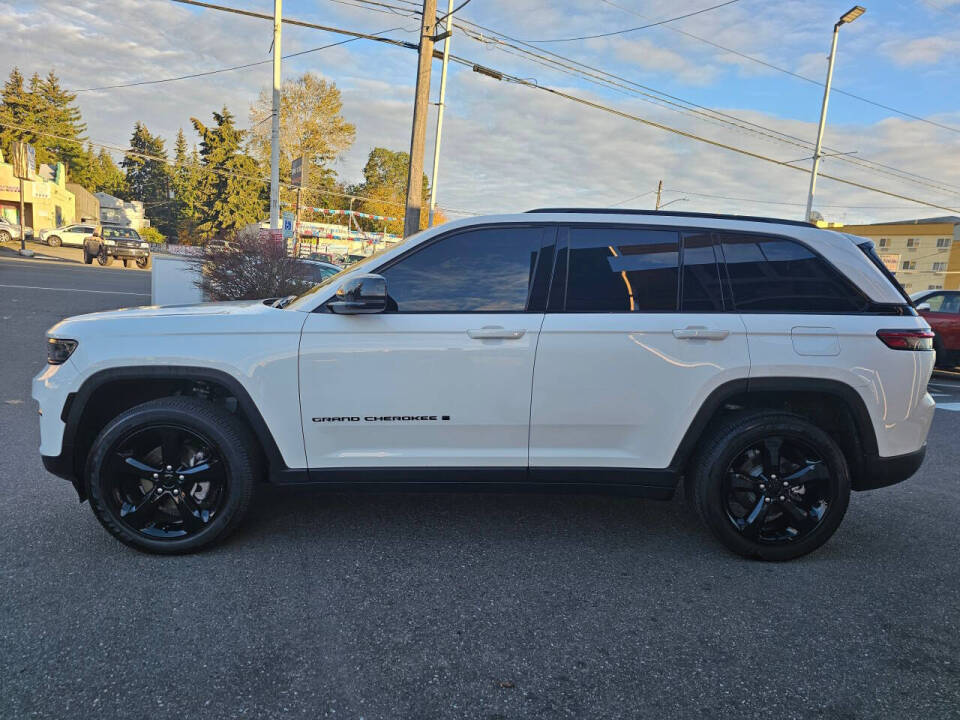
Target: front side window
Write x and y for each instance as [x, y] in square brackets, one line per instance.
[482, 270]
[622, 269]
[778, 275]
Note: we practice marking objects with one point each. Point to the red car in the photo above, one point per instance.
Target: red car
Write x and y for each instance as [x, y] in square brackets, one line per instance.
[941, 308]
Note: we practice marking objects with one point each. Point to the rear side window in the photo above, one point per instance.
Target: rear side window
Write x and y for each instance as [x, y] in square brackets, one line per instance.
[622, 269]
[770, 274]
[482, 270]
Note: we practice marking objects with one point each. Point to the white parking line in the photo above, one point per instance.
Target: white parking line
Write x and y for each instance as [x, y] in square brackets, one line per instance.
[102, 292]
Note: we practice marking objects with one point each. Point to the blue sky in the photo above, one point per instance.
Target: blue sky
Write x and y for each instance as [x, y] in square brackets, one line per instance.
[508, 147]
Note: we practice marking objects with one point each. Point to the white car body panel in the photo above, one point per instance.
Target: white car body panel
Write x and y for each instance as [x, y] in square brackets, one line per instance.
[417, 365]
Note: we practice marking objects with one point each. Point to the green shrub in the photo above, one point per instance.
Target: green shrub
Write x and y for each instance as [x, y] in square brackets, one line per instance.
[152, 235]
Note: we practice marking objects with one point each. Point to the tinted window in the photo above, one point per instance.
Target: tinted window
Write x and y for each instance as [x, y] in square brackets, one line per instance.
[943, 302]
[776, 275]
[484, 270]
[701, 275]
[617, 269]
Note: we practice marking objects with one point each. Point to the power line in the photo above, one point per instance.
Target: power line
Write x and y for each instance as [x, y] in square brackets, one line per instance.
[639, 27]
[783, 202]
[789, 72]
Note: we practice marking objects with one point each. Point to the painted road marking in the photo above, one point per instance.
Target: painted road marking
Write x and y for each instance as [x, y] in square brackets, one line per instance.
[101, 292]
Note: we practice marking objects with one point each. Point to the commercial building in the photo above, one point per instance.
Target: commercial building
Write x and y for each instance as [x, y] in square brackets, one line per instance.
[924, 254]
[47, 201]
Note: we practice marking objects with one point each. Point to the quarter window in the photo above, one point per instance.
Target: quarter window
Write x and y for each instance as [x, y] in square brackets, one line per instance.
[778, 275]
[622, 269]
[483, 270]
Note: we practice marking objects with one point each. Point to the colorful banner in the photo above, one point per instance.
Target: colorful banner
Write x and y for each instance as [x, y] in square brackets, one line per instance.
[332, 211]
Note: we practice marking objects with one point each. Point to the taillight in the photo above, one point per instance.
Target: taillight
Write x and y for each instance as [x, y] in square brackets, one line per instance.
[907, 339]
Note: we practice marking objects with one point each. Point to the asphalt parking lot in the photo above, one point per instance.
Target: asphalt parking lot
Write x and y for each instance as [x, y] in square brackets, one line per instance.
[458, 606]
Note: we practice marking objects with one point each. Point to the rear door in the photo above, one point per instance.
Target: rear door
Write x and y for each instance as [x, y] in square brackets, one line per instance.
[635, 338]
[443, 379]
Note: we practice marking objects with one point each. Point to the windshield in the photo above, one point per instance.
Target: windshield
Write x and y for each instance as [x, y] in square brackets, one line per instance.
[356, 266]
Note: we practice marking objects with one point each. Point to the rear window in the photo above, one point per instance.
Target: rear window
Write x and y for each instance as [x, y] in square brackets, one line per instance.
[871, 252]
[771, 274]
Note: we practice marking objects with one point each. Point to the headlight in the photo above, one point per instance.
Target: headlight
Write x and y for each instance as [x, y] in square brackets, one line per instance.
[108, 241]
[145, 245]
[59, 350]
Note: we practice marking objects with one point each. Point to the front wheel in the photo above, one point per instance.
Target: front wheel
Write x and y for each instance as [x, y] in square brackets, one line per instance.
[171, 475]
[5, 236]
[143, 262]
[770, 485]
[53, 241]
[104, 259]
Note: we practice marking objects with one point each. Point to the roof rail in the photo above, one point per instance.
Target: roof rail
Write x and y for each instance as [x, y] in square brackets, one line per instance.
[673, 213]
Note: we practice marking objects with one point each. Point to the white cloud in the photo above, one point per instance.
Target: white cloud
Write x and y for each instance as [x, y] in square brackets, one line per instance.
[922, 51]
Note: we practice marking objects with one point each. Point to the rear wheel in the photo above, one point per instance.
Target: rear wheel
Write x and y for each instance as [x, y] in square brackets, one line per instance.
[87, 257]
[171, 475]
[53, 241]
[126, 263]
[770, 485]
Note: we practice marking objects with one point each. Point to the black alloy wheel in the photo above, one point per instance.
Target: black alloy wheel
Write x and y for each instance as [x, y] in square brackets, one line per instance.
[143, 262]
[769, 484]
[165, 481]
[777, 490]
[172, 475]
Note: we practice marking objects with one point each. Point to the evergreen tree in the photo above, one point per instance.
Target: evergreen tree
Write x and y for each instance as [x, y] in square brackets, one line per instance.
[110, 178]
[19, 110]
[148, 177]
[186, 179]
[230, 195]
[61, 119]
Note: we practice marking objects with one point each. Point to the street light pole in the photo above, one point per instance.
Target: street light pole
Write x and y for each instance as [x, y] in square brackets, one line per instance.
[440, 106]
[275, 127]
[851, 15]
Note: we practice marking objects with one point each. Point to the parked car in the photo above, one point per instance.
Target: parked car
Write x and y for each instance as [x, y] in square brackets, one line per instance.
[68, 234]
[10, 231]
[770, 366]
[319, 270]
[111, 242]
[941, 308]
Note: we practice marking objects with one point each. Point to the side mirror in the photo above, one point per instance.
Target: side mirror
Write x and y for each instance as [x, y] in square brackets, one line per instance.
[923, 307]
[360, 294]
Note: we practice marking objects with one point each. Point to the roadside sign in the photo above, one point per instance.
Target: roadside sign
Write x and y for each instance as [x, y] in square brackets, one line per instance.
[892, 262]
[288, 220]
[299, 172]
[24, 159]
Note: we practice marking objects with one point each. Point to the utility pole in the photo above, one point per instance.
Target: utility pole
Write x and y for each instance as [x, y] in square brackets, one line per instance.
[275, 130]
[418, 135]
[848, 17]
[659, 190]
[443, 89]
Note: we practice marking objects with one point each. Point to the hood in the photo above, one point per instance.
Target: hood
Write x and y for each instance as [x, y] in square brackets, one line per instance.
[137, 316]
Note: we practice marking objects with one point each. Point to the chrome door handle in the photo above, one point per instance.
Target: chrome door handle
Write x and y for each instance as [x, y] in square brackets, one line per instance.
[490, 332]
[700, 333]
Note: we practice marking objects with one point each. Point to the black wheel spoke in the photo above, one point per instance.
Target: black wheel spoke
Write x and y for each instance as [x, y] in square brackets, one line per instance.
[170, 448]
[141, 466]
[752, 524]
[193, 517]
[143, 512]
[812, 471]
[804, 520]
[771, 455]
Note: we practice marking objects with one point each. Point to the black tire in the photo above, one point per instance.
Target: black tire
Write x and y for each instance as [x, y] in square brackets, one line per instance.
[143, 262]
[126, 262]
[112, 478]
[87, 257]
[53, 241]
[5, 236]
[718, 490]
[104, 259]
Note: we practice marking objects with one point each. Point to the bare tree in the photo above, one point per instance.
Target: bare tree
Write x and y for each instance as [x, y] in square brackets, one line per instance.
[250, 268]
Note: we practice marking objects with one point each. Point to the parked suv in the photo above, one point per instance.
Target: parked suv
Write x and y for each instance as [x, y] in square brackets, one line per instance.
[941, 308]
[770, 366]
[67, 235]
[110, 242]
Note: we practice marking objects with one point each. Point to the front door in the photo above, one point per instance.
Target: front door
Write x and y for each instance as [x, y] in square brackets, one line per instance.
[630, 348]
[441, 380]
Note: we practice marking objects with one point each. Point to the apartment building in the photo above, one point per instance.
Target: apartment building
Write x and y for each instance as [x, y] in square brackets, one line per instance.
[924, 254]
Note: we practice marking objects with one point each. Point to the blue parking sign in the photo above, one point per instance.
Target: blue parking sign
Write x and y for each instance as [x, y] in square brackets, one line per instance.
[288, 220]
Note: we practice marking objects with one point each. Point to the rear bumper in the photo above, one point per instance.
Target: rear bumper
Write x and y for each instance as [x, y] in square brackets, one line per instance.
[880, 472]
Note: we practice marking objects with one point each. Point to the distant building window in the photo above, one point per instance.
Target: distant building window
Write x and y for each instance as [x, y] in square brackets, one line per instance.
[934, 287]
[884, 242]
[911, 242]
[940, 267]
[909, 265]
[943, 242]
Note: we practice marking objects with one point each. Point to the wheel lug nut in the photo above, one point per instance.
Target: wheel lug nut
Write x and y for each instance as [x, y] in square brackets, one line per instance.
[785, 483]
[156, 476]
[782, 497]
[762, 486]
[176, 492]
[766, 500]
[169, 467]
[180, 477]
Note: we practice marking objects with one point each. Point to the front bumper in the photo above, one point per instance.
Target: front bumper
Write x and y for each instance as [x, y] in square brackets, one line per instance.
[126, 252]
[880, 472]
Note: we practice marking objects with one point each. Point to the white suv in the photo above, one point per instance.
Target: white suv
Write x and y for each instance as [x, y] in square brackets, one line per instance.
[769, 365]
